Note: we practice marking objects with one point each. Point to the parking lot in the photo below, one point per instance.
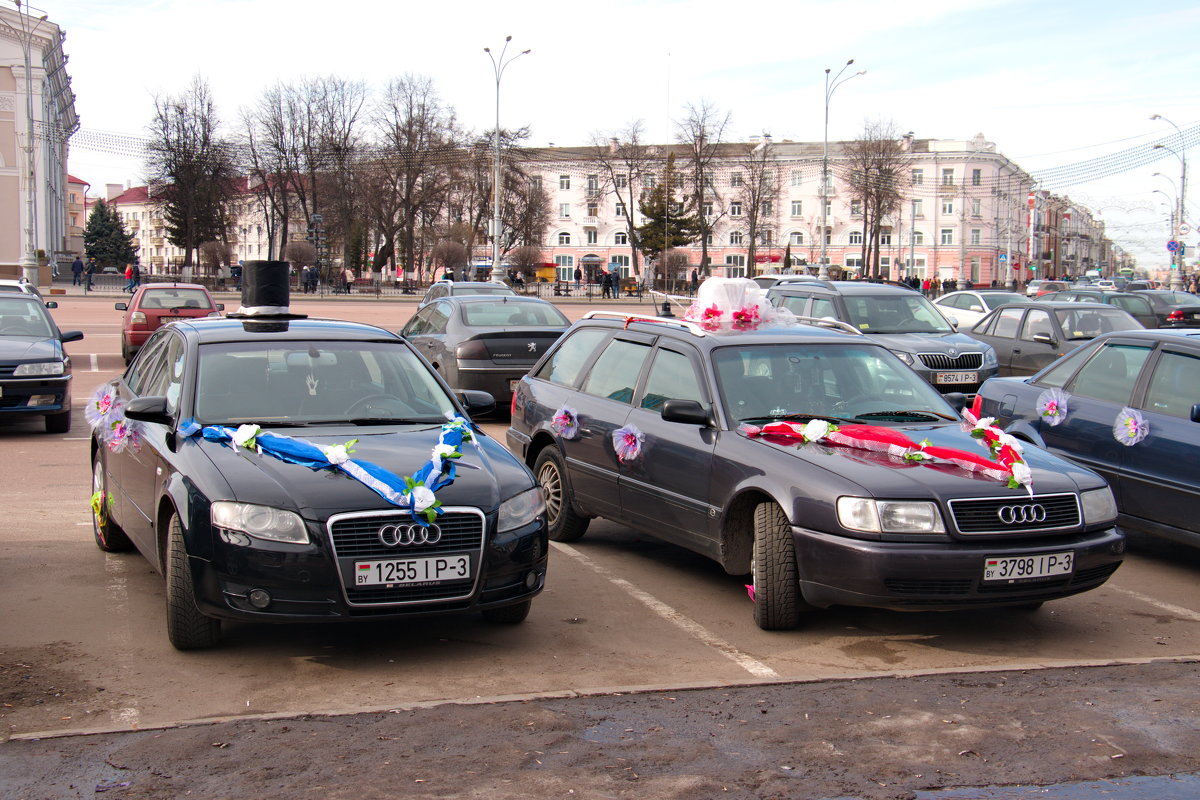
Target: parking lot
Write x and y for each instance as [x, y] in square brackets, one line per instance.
[84, 646]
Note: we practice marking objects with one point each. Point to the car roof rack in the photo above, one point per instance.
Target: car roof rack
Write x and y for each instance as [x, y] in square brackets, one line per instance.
[830, 322]
[690, 327]
[807, 281]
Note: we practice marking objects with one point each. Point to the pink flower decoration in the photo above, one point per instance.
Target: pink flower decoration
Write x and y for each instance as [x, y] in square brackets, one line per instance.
[627, 442]
[565, 423]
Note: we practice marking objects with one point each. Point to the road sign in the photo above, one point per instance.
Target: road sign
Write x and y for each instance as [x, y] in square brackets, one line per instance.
[1184, 229]
[1003, 257]
[1172, 245]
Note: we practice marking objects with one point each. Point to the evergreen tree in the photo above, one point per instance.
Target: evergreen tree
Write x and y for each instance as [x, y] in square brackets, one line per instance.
[669, 223]
[105, 239]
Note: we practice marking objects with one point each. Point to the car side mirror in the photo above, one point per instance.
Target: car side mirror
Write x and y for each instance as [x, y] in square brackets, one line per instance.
[953, 321]
[51, 304]
[1196, 412]
[148, 409]
[688, 412]
[477, 401]
[121, 306]
[71, 336]
[220, 306]
[977, 308]
[1044, 338]
[956, 399]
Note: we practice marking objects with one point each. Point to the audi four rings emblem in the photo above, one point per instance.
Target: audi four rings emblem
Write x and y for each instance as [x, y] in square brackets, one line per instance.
[405, 535]
[1013, 515]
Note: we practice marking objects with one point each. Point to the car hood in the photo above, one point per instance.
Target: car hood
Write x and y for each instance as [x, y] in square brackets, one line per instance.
[882, 476]
[28, 348]
[948, 343]
[484, 475]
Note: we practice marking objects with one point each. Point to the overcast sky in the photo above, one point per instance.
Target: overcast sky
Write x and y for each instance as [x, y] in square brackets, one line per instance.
[1051, 82]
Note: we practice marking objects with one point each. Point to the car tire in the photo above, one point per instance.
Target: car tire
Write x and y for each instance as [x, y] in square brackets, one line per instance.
[508, 615]
[187, 628]
[109, 536]
[564, 522]
[58, 423]
[777, 600]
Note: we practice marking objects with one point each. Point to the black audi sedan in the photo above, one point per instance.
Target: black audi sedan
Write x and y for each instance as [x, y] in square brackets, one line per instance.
[35, 370]
[809, 457]
[308, 470]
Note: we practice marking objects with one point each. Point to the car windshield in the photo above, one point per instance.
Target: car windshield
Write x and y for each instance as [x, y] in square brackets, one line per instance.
[1173, 299]
[502, 314]
[175, 298]
[1092, 319]
[504, 290]
[900, 313]
[23, 318]
[837, 382]
[996, 299]
[320, 382]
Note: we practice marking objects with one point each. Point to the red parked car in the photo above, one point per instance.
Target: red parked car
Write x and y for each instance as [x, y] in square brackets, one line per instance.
[155, 304]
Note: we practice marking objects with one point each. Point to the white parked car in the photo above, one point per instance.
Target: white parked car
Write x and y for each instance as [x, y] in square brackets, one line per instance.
[968, 307]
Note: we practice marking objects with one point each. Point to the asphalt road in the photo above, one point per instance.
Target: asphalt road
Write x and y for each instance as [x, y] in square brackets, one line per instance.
[83, 646]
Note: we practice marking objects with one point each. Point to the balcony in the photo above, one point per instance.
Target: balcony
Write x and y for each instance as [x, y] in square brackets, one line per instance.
[137, 243]
[132, 224]
[156, 261]
[591, 222]
[157, 241]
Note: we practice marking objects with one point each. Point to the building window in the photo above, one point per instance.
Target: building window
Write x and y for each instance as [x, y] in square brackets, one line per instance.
[796, 237]
[735, 238]
[650, 180]
[856, 208]
[947, 206]
[829, 236]
[593, 208]
[975, 264]
[918, 237]
[885, 236]
[797, 208]
[735, 266]
[854, 261]
[708, 181]
[708, 209]
[708, 239]
[976, 237]
[918, 177]
[856, 237]
[735, 179]
[976, 177]
[564, 238]
[948, 176]
[621, 237]
[765, 238]
[797, 177]
[918, 208]
[593, 183]
[619, 210]
[622, 181]
[828, 208]
[766, 208]
[564, 210]
[536, 182]
[976, 207]
[947, 235]
[735, 209]
[564, 183]
[591, 236]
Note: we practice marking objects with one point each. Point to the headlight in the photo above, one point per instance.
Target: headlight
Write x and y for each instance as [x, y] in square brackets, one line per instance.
[907, 358]
[889, 516]
[39, 369]
[261, 522]
[989, 356]
[1099, 507]
[521, 509]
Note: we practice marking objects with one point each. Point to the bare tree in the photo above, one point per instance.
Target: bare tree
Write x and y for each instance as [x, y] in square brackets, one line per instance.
[623, 162]
[449, 254]
[191, 169]
[758, 195]
[300, 252]
[526, 259]
[215, 255]
[876, 167]
[702, 132]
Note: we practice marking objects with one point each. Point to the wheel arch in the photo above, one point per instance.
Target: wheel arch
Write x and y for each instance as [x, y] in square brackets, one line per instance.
[737, 529]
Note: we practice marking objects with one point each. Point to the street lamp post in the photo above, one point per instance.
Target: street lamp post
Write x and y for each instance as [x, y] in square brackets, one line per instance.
[830, 86]
[498, 67]
[1177, 276]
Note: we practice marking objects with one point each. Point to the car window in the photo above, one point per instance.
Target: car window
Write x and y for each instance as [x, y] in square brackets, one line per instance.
[568, 359]
[23, 317]
[149, 374]
[1175, 385]
[672, 377]
[1061, 371]
[175, 298]
[796, 305]
[500, 315]
[1036, 321]
[616, 371]
[907, 313]
[174, 360]
[823, 307]
[1006, 323]
[1092, 319]
[997, 300]
[1111, 373]
[1131, 303]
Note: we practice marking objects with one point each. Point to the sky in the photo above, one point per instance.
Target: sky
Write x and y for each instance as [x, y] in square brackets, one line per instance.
[1051, 82]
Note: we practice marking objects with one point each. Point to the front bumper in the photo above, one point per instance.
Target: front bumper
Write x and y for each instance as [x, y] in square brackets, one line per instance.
[35, 395]
[836, 570]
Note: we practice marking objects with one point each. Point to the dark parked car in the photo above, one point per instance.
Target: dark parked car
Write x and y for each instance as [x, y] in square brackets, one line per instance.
[769, 451]
[485, 342]
[440, 289]
[903, 321]
[1172, 309]
[1132, 303]
[1128, 406]
[155, 304]
[35, 370]
[1029, 336]
[308, 470]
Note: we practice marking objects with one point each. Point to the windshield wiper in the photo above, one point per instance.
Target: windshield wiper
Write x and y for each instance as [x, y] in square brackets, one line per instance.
[920, 413]
[389, 421]
[796, 415]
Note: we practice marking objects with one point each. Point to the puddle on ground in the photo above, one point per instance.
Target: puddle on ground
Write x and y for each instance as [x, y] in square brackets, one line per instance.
[1161, 787]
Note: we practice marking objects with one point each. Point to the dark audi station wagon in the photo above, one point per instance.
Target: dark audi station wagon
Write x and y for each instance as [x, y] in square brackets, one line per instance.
[810, 457]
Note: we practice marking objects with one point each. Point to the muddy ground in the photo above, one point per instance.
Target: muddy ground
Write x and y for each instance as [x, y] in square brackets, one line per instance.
[875, 739]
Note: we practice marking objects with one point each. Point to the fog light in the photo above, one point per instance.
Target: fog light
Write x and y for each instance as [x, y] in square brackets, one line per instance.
[531, 579]
[259, 598]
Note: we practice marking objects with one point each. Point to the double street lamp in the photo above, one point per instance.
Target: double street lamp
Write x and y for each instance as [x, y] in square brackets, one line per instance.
[1176, 232]
[830, 86]
[498, 67]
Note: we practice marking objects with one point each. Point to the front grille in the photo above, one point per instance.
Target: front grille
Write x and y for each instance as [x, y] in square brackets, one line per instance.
[941, 361]
[355, 537]
[1061, 512]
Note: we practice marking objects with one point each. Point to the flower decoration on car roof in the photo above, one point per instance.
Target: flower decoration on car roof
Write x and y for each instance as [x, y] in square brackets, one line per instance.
[415, 493]
[1052, 406]
[1131, 427]
[734, 304]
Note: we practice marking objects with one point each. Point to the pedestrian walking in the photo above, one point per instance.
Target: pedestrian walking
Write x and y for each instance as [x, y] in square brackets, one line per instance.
[137, 276]
[578, 277]
[77, 272]
[89, 272]
[128, 279]
[347, 279]
[695, 281]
